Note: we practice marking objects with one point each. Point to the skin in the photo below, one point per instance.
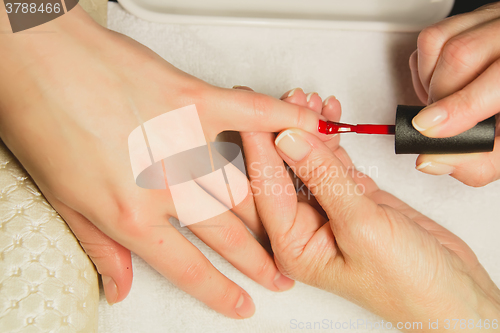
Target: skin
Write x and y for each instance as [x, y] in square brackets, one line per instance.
[370, 248]
[68, 101]
[455, 69]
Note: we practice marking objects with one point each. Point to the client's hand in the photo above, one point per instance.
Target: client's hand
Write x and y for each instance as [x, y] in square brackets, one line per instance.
[456, 70]
[68, 102]
[373, 249]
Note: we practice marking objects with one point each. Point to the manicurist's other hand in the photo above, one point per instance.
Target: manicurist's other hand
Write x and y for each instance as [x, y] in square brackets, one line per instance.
[456, 70]
[371, 248]
[69, 100]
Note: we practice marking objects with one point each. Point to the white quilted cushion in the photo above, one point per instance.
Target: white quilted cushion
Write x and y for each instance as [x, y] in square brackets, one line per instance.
[47, 282]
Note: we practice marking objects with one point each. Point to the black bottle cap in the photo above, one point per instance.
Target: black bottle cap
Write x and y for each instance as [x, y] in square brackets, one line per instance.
[480, 138]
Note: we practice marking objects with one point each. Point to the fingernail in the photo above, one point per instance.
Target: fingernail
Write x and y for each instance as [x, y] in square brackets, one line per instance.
[238, 86]
[110, 289]
[429, 117]
[290, 93]
[293, 91]
[325, 102]
[434, 168]
[308, 97]
[245, 307]
[282, 282]
[293, 145]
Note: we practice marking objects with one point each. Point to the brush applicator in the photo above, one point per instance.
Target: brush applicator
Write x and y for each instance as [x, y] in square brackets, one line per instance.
[408, 140]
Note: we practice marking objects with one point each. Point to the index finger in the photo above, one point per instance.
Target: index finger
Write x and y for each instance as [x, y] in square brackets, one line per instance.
[248, 111]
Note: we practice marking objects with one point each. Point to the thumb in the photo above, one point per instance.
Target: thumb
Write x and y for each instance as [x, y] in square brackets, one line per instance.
[462, 110]
[328, 180]
[471, 169]
[247, 111]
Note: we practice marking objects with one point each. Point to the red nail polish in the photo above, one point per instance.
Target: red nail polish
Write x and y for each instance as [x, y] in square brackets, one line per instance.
[408, 140]
[330, 127]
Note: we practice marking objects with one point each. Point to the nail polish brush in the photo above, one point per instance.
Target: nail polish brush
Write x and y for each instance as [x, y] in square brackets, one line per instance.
[408, 140]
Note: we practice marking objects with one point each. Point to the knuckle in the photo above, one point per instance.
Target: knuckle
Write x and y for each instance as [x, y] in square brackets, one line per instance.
[282, 248]
[261, 107]
[301, 116]
[280, 243]
[129, 222]
[484, 174]
[228, 295]
[462, 105]
[288, 267]
[459, 53]
[194, 273]
[296, 269]
[288, 255]
[431, 40]
[98, 251]
[233, 237]
[264, 268]
[247, 203]
[319, 172]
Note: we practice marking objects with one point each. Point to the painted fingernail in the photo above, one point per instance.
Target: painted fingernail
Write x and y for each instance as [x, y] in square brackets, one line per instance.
[434, 168]
[293, 145]
[245, 307]
[110, 289]
[429, 117]
[308, 97]
[325, 102]
[282, 282]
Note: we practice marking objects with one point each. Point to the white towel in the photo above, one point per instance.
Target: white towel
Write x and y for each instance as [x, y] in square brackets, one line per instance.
[368, 72]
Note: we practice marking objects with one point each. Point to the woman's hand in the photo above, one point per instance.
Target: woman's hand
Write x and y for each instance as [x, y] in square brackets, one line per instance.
[372, 248]
[69, 100]
[456, 70]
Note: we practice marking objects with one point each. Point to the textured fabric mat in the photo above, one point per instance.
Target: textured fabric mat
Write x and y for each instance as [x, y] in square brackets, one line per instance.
[47, 282]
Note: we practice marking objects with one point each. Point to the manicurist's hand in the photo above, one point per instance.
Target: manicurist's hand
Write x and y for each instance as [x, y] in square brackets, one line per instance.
[456, 70]
[372, 248]
[69, 100]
